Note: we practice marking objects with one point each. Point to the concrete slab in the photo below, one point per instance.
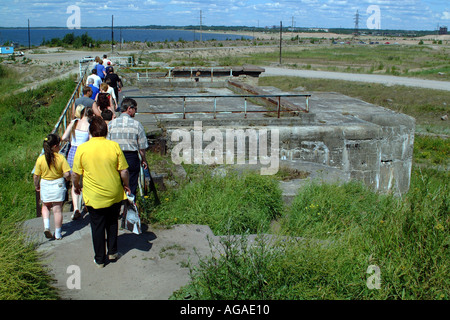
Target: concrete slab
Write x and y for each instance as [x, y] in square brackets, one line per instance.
[152, 265]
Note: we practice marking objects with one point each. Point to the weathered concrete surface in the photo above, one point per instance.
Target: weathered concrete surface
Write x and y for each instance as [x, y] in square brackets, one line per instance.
[151, 266]
[361, 140]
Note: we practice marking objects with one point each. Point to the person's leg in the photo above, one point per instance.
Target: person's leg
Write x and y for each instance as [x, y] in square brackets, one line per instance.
[75, 200]
[116, 92]
[134, 167]
[57, 213]
[45, 212]
[112, 228]
[98, 223]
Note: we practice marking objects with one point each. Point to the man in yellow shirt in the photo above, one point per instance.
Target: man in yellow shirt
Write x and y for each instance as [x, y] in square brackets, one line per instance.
[105, 180]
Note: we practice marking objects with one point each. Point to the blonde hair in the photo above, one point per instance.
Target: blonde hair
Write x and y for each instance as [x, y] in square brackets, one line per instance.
[104, 86]
[78, 110]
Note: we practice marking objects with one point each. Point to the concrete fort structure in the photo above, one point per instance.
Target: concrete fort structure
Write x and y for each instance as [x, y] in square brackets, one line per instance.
[316, 131]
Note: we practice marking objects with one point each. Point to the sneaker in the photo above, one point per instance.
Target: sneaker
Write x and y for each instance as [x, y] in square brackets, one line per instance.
[99, 265]
[76, 215]
[48, 234]
[113, 257]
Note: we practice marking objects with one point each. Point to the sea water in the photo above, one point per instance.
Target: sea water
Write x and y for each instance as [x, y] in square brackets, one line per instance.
[38, 35]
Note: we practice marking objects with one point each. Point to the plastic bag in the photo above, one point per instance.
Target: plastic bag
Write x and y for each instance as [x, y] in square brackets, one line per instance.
[132, 219]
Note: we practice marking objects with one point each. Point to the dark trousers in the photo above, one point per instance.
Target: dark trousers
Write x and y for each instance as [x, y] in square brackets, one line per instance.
[134, 168]
[103, 221]
[116, 92]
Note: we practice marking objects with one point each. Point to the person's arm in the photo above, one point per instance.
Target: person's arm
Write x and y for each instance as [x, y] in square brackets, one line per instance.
[119, 84]
[96, 109]
[124, 175]
[73, 109]
[76, 182]
[66, 175]
[66, 135]
[36, 180]
[144, 160]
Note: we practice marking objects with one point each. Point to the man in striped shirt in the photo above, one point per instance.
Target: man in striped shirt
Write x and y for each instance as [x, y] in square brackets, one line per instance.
[130, 135]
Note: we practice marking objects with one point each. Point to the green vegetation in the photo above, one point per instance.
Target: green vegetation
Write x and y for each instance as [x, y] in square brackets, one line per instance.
[76, 42]
[7, 80]
[25, 119]
[427, 62]
[337, 232]
[324, 241]
[243, 203]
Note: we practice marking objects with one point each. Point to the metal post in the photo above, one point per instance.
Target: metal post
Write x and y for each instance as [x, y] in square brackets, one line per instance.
[184, 107]
[215, 106]
[307, 104]
[281, 37]
[29, 37]
[279, 106]
[112, 33]
[245, 107]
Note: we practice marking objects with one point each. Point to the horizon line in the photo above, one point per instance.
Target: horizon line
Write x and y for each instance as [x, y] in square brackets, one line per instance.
[226, 27]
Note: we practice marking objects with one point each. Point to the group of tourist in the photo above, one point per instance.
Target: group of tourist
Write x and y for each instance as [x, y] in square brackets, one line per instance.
[103, 163]
[105, 86]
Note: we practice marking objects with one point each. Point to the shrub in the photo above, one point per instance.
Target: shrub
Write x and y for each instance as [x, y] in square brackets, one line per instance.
[247, 202]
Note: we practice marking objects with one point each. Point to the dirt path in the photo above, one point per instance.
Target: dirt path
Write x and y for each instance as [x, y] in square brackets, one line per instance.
[371, 78]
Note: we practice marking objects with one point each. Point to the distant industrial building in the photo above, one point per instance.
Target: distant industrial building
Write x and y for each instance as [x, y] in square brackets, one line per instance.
[443, 30]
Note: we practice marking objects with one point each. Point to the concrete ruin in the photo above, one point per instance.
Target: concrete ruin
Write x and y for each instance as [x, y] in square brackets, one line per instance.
[326, 132]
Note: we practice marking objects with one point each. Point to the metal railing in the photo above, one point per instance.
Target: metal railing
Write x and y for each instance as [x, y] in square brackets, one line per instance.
[214, 110]
[144, 76]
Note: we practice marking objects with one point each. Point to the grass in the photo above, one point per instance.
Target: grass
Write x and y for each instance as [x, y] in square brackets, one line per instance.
[337, 233]
[8, 81]
[25, 119]
[432, 150]
[239, 203]
[402, 60]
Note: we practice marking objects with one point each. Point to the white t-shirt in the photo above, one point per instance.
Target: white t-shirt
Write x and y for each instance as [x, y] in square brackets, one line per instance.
[97, 80]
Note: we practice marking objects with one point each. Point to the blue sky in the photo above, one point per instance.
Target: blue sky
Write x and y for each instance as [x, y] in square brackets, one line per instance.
[400, 14]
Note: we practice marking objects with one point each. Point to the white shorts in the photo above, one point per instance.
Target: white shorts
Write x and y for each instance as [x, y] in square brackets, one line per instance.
[53, 190]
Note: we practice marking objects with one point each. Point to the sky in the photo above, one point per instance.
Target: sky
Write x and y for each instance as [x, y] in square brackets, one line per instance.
[399, 14]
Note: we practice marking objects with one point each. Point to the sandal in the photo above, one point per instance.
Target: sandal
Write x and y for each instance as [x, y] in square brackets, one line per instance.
[48, 234]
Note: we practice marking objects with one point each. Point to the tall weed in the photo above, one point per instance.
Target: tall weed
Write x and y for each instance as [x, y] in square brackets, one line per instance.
[25, 119]
[248, 202]
[335, 232]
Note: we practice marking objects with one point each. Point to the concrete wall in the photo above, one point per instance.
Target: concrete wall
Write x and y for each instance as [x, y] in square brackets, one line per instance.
[381, 157]
[362, 141]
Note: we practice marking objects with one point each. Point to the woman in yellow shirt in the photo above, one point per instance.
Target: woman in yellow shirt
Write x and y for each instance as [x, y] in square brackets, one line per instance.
[104, 169]
[51, 171]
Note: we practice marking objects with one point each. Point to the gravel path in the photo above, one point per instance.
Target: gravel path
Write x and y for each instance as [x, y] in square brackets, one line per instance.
[372, 78]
